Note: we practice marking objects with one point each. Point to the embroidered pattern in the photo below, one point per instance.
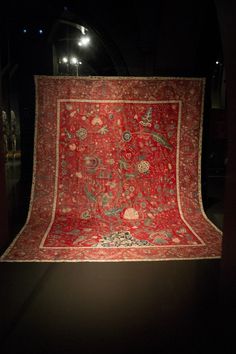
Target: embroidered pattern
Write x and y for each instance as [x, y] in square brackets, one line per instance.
[122, 176]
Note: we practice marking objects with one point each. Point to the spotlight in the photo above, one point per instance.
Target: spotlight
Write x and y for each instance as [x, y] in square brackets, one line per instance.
[65, 60]
[84, 41]
[24, 30]
[217, 62]
[74, 60]
[40, 31]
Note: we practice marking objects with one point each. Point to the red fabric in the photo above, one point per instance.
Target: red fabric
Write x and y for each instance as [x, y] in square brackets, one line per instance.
[116, 172]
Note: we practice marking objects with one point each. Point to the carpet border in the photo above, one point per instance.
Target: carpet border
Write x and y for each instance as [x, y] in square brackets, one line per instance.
[36, 78]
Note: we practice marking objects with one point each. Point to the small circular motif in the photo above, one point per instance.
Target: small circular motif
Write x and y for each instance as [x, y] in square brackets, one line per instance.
[82, 133]
[91, 162]
[143, 166]
[127, 136]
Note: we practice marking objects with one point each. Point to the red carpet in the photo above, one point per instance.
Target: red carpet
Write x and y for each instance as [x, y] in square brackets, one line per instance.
[117, 172]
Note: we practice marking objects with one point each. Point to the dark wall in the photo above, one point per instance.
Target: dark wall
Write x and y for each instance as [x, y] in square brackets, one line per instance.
[179, 38]
[227, 18]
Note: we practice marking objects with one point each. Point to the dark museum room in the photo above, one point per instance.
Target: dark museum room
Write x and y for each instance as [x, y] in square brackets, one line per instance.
[118, 177]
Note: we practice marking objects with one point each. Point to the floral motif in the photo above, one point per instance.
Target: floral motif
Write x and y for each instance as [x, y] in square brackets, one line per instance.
[82, 133]
[147, 118]
[143, 166]
[97, 121]
[103, 130]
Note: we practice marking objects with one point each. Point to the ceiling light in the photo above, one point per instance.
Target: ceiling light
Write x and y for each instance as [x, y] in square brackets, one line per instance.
[84, 41]
[65, 60]
[74, 60]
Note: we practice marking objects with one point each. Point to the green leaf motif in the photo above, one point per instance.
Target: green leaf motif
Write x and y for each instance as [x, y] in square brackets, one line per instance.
[69, 135]
[160, 241]
[113, 211]
[161, 140]
[130, 175]
[89, 195]
[147, 118]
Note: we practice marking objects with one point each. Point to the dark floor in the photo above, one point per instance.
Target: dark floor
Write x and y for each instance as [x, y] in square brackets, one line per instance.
[161, 307]
[136, 307]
